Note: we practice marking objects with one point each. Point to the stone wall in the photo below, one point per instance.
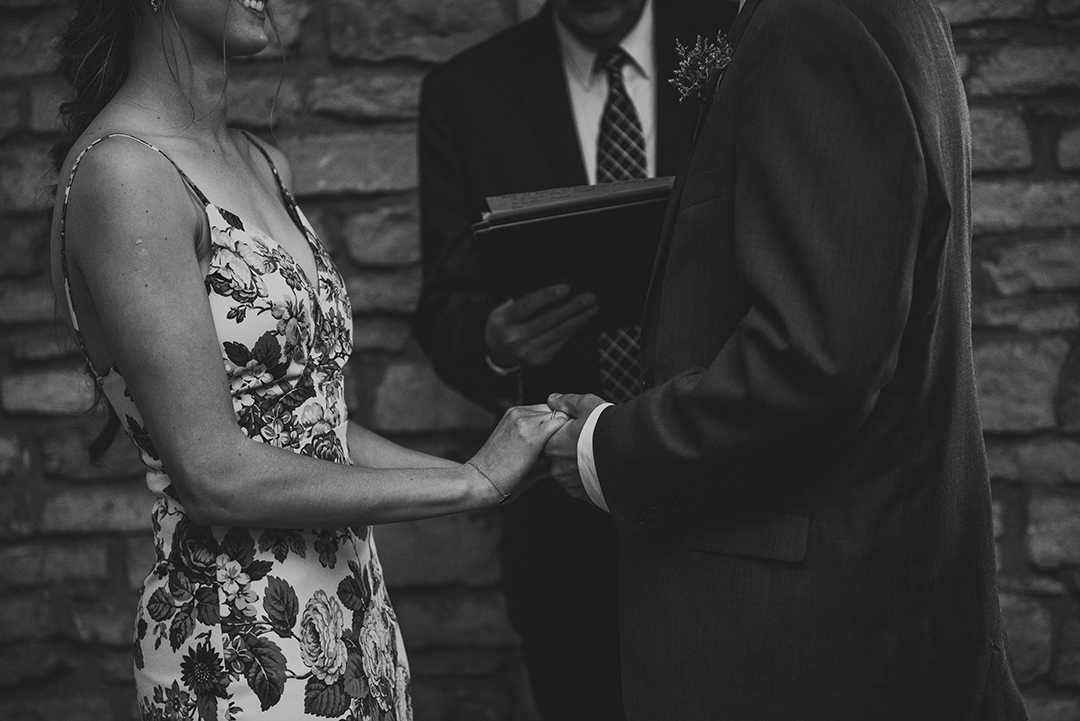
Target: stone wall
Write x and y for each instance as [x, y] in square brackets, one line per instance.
[74, 541]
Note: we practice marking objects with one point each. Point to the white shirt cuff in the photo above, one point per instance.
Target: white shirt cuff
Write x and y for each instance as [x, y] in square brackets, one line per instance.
[586, 460]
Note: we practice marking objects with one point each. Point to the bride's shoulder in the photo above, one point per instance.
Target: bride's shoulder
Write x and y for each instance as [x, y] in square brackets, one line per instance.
[115, 184]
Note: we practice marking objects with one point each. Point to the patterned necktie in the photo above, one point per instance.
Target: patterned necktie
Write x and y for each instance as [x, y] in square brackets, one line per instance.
[620, 155]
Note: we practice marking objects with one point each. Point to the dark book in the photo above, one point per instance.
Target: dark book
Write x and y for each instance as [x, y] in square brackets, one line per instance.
[600, 238]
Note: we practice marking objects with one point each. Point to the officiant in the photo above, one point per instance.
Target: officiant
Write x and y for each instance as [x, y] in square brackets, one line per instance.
[578, 94]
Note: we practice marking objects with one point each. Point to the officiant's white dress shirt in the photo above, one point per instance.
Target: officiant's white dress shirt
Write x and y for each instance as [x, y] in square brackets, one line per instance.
[589, 87]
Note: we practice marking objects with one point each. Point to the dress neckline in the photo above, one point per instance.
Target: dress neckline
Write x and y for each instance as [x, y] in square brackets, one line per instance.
[313, 284]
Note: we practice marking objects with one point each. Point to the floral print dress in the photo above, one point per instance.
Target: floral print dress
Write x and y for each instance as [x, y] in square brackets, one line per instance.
[249, 623]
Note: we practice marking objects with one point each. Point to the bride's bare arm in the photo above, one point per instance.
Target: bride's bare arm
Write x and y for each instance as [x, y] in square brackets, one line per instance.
[130, 240]
[367, 448]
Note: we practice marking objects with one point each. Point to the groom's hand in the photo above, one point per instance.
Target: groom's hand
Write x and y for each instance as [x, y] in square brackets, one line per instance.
[561, 449]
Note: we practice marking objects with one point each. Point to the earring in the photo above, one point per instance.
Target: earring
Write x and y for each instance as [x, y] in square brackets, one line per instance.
[155, 5]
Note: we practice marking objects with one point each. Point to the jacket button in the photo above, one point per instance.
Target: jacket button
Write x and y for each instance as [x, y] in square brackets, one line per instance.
[647, 380]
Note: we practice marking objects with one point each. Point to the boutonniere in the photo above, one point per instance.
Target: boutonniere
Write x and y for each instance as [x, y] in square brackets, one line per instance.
[700, 67]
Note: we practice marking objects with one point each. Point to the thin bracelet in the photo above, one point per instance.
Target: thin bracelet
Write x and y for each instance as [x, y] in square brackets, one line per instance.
[494, 485]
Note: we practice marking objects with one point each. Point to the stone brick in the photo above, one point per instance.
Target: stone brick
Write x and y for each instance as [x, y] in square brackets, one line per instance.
[105, 626]
[1027, 70]
[26, 46]
[258, 101]
[1067, 669]
[358, 162]
[462, 549]
[462, 699]
[42, 563]
[14, 456]
[26, 302]
[24, 246]
[1041, 708]
[47, 392]
[368, 94]
[1068, 396]
[1069, 149]
[396, 291]
[1027, 623]
[426, 30]
[121, 508]
[1053, 533]
[1042, 265]
[1032, 315]
[323, 220]
[412, 399]
[46, 95]
[66, 456]
[999, 140]
[961, 12]
[139, 559]
[10, 112]
[453, 618]
[38, 344]
[963, 62]
[1017, 381]
[18, 512]
[24, 663]
[28, 617]
[63, 705]
[1043, 461]
[380, 333]
[25, 177]
[1060, 8]
[385, 236]
[464, 662]
[998, 205]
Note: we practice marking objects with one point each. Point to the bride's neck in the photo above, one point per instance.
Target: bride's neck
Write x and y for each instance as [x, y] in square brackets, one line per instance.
[182, 91]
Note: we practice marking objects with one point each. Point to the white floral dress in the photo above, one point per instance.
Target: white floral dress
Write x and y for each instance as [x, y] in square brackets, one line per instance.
[250, 623]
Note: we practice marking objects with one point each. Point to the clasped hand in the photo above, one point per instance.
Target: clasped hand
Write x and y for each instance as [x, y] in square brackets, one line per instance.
[561, 448]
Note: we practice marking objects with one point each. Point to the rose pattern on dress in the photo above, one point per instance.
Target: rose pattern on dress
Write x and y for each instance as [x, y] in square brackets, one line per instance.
[321, 644]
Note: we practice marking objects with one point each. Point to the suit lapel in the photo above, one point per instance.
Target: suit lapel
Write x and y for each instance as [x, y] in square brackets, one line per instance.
[541, 87]
[734, 35]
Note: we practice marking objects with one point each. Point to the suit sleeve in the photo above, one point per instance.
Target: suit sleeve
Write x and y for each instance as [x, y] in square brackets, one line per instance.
[457, 296]
[829, 198]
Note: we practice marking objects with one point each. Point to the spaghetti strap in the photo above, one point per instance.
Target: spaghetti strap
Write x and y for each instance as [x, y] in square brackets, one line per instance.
[63, 227]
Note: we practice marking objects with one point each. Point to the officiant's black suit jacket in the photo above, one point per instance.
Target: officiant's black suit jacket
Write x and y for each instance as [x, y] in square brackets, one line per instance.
[494, 120]
[802, 489]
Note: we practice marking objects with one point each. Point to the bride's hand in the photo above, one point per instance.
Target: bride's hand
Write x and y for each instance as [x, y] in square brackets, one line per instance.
[502, 465]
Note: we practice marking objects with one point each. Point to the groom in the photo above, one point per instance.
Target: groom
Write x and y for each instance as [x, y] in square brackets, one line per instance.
[801, 488]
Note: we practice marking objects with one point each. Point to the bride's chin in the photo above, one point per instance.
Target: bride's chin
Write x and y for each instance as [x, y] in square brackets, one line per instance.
[250, 44]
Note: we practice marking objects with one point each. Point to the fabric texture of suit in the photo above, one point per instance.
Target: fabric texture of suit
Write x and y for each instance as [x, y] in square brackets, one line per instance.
[801, 491]
[497, 119]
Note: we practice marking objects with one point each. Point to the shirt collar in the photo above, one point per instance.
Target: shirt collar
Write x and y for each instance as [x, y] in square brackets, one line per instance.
[580, 61]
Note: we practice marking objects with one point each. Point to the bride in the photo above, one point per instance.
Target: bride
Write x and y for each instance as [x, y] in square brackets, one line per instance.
[217, 327]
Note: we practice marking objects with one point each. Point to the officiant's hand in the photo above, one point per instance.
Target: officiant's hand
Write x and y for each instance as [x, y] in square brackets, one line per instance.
[532, 330]
[561, 449]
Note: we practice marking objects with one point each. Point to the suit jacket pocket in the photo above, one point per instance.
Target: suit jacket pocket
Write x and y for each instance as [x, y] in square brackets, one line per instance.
[699, 188]
[777, 534]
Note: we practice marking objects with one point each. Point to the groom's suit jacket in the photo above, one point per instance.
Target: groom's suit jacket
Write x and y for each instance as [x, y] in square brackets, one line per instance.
[802, 490]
